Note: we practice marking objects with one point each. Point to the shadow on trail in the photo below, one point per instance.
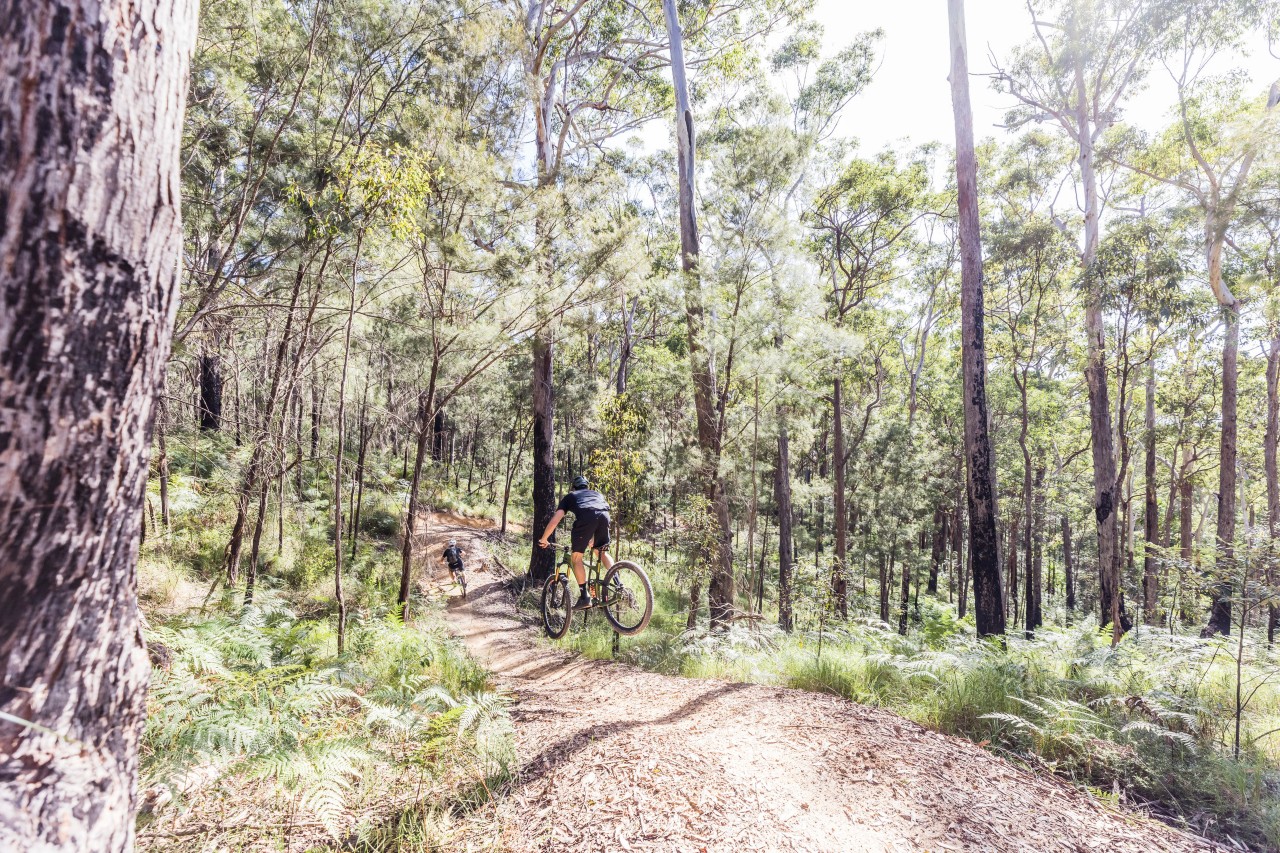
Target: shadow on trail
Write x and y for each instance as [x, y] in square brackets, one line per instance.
[545, 762]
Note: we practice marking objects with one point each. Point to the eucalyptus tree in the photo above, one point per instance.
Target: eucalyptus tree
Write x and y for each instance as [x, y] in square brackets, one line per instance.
[1086, 58]
[1208, 155]
[862, 226]
[984, 543]
[88, 263]
[1030, 264]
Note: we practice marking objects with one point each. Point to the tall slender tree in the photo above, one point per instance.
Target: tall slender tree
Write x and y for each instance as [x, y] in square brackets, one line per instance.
[984, 541]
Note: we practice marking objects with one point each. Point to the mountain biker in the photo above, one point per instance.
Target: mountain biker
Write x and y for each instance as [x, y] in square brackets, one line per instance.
[453, 556]
[590, 530]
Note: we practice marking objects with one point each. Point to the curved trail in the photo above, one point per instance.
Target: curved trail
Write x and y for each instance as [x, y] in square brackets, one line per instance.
[611, 757]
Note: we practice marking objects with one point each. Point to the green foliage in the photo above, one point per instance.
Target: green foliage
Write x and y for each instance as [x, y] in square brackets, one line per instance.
[262, 698]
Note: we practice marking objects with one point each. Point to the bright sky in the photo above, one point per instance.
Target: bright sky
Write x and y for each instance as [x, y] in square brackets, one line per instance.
[910, 97]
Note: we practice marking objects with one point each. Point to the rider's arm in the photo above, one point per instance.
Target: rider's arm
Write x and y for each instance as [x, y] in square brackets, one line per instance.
[551, 528]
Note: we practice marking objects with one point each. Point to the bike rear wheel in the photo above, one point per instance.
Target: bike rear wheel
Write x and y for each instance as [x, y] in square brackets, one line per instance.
[557, 607]
[628, 598]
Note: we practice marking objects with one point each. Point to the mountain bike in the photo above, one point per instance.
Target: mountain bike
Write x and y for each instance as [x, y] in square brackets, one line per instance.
[624, 593]
[460, 578]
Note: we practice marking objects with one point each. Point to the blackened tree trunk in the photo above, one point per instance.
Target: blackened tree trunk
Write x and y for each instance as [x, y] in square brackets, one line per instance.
[91, 103]
[542, 560]
[1270, 443]
[1220, 613]
[938, 551]
[904, 598]
[1011, 576]
[1151, 512]
[839, 585]
[984, 543]
[1068, 568]
[210, 392]
[782, 496]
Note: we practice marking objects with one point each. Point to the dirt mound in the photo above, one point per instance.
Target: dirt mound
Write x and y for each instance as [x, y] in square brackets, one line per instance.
[612, 757]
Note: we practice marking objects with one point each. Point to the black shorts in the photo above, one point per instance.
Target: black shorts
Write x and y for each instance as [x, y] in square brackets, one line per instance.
[589, 527]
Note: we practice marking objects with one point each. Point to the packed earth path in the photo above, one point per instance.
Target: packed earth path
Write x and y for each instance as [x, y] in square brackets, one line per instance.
[611, 757]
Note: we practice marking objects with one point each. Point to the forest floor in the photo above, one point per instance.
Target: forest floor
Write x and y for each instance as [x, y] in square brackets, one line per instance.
[611, 757]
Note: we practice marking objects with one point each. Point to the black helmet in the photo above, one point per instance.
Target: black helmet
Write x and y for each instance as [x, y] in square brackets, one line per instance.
[580, 482]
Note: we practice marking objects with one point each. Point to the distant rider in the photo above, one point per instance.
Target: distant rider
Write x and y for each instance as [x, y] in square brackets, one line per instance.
[453, 556]
[590, 530]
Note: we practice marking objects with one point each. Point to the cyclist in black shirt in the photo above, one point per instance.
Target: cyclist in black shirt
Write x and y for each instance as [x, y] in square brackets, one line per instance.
[590, 530]
[453, 556]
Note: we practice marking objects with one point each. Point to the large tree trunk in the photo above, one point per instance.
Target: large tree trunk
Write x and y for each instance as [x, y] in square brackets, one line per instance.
[542, 560]
[839, 585]
[91, 99]
[984, 542]
[720, 586]
[782, 495]
[1220, 613]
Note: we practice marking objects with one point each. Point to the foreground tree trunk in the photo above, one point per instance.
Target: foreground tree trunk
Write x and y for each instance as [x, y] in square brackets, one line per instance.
[91, 99]
[710, 427]
[984, 542]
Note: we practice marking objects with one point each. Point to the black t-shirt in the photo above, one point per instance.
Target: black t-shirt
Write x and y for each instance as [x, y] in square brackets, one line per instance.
[584, 502]
[453, 556]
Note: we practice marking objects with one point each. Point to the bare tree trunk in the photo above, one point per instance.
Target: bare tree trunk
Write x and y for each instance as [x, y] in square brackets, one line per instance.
[984, 543]
[162, 464]
[710, 427]
[1220, 613]
[1269, 451]
[1151, 512]
[1068, 568]
[210, 392]
[255, 544]
[904, 599]
[782, 495]
[359, 501]
[91, 104]
[426, 400]
[938, 551]
[1011, 576]
[839, 592]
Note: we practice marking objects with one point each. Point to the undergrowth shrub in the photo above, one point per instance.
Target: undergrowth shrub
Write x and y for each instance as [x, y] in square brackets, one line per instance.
[260, 702]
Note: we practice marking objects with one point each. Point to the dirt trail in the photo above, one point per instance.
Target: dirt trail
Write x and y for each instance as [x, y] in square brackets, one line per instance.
[611, 757]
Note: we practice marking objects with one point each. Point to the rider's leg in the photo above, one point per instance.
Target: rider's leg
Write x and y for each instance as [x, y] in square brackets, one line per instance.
[579, 573]
[605, 559]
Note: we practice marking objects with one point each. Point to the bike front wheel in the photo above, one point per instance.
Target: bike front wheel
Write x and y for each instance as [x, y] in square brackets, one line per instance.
[557, 607]
[628, 598]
